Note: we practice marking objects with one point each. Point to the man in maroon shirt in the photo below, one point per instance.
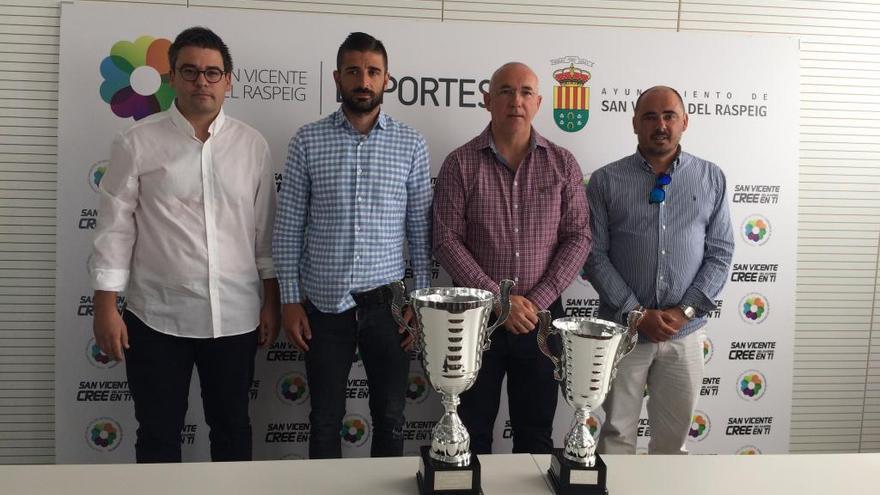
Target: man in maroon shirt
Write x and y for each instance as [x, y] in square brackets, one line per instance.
[510, 204]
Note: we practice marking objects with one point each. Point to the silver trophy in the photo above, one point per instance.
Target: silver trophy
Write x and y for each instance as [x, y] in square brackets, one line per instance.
[451, 330]
[586, 366]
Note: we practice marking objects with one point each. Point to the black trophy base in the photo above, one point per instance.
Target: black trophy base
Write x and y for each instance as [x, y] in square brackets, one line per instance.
[438, 478]
[571, 478]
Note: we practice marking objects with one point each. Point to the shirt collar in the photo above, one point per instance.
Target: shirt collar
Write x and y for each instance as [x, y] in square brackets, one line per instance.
[339, 120]
[677, 163]
[184, 125]
[485, 140]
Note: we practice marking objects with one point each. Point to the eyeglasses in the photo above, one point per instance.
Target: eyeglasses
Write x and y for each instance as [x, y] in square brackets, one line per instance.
[190, 74]
[658, 194]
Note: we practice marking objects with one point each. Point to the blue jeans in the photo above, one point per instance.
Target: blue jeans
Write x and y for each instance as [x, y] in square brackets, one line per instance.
[335, 337]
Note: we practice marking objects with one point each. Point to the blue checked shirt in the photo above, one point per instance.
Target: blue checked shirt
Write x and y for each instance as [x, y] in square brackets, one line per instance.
[659, 255]
[346, 203]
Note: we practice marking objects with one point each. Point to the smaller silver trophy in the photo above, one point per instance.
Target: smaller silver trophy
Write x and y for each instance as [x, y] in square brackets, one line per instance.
[591, 351]
[451, 330]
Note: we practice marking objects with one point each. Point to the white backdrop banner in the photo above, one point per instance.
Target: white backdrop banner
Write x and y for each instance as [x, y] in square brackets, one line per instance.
[741, 93]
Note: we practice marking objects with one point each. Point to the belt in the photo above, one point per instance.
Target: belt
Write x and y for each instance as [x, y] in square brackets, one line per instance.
[374, 297]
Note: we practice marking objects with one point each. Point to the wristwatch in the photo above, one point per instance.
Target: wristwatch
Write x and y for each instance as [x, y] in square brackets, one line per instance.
[689, 312]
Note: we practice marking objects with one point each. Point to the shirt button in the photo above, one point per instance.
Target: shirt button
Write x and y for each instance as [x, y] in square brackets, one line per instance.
[517, 253]
[516, 279]
[661, 277]
[515, 183]
[360, 170]
[664, 227]
[515, 206]
[663, 252]
[516, 229]
[360, 198]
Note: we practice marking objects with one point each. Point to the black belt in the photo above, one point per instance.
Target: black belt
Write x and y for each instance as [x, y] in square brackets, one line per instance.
[374, 297]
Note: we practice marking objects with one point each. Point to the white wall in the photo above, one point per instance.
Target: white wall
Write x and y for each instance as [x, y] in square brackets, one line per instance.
[837, 376]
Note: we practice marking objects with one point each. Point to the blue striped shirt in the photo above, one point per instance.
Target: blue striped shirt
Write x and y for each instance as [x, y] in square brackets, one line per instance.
[659, 255]
[346, 203]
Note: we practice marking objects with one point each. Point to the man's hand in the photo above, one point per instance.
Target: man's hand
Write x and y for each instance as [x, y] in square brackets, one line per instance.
[270, 313]
[111, 334]
[654, 326]
[523, 316]
[674, 317]
[270, 321]
[407, 343]
[296, 325]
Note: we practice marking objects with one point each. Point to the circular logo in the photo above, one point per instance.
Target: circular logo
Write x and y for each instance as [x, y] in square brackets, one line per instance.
[96, 173]
[749, 450]
[104, 434]
[755, 230]
[700, 426]
[136, 78]
[708, 350]
[751, 385]
[97, 357]
[754, 308]
[417, 389]
[355, 431]
[292, 389]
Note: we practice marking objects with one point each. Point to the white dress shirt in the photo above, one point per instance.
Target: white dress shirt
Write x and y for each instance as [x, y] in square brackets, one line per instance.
[185, 227]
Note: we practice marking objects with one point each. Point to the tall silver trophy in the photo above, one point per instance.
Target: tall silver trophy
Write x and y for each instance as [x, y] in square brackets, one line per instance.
[586, 365]
[451, 330]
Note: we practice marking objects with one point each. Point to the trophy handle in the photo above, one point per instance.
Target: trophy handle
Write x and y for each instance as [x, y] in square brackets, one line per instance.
[398, 301]
[504, 300]
[545, 330]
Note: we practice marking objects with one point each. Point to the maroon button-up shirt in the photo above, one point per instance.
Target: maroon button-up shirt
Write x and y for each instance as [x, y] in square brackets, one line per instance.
[530, 225]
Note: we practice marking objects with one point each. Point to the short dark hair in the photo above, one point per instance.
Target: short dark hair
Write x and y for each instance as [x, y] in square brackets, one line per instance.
[361, 42]
[203, 38]
[654, 88]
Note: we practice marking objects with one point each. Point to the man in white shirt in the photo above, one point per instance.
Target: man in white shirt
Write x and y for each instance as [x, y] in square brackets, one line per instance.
[185, 228]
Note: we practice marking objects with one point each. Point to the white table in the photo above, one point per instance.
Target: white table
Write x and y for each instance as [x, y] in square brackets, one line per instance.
[505, 474]
[803, 474]
[510, 474]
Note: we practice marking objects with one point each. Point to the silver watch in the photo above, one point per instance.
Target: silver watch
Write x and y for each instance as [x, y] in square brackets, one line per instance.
[689, 312]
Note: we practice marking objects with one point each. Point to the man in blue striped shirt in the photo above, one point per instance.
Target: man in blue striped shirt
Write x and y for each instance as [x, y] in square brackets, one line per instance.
[356, 184]
[662, 246]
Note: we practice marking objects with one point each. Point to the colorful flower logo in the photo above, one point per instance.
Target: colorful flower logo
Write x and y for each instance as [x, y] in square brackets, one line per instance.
[416, 389]
[754, 308]
[756, 230]
[292, 389]
[96, 173]
[97, 357]
[751, 385]
[355, 431]
[103, 434]
[700, 426]
[708, 350]
[136, 78]
[749, 450]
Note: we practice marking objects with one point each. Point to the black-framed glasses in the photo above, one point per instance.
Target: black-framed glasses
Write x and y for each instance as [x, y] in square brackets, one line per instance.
[658, 194]
[190, 74]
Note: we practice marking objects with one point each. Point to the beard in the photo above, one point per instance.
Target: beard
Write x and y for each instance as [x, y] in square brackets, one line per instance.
[352, 104]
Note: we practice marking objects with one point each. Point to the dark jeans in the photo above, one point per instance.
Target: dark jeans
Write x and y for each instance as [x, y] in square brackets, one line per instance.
[531, 392]
[159, 369]
[335, 337]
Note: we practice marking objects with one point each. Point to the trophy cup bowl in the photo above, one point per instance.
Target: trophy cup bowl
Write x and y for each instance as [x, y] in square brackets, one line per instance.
[586, 366]
[451, 330]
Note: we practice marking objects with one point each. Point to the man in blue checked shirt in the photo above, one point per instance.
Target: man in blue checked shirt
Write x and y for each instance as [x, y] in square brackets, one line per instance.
[358, 182]
[662, 245]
